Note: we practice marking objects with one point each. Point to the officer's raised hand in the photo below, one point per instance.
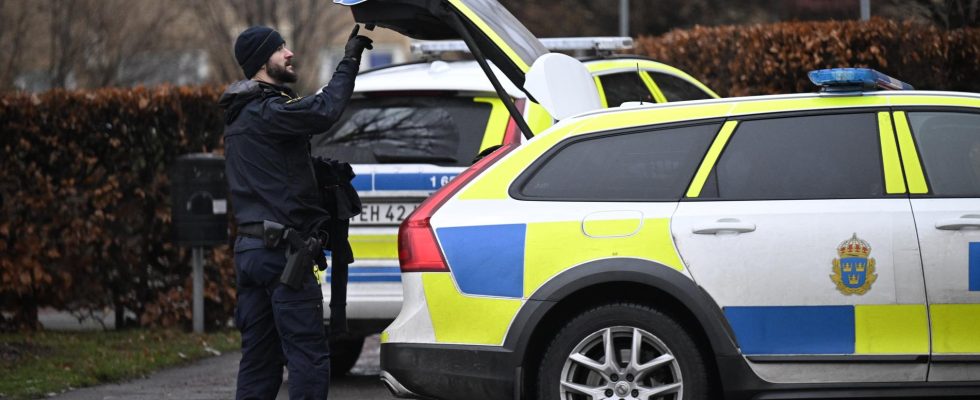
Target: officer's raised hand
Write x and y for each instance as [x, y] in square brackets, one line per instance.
[356, 44]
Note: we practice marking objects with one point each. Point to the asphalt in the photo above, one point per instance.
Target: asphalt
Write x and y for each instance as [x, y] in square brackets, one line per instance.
[215, 378]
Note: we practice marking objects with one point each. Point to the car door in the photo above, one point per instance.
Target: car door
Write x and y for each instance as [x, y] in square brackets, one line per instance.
[947, 215]
[802, 232]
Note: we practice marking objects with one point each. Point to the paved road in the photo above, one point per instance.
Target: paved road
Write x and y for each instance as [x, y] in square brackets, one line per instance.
[214, 378]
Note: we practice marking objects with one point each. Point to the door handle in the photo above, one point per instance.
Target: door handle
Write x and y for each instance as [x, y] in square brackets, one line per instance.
[955, 224]
[724, 225]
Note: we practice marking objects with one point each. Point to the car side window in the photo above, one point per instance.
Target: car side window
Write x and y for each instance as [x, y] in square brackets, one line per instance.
[677, 89]
[654, 165]
[625, 87]
[809, 157]
[949, 146]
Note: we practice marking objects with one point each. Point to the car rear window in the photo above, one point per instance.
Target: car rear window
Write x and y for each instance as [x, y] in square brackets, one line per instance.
[654, 165]
[442, 130]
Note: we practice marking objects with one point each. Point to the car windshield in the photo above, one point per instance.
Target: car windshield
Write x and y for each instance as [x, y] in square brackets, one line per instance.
[442, 130]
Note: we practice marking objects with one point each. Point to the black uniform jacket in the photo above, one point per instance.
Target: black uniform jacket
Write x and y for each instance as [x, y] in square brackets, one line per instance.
[267, 132]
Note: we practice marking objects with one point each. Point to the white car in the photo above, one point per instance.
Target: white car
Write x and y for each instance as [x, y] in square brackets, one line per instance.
[411, 128]
[792, 246]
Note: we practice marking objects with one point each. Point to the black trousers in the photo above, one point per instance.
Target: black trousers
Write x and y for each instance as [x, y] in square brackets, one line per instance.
[280, 326]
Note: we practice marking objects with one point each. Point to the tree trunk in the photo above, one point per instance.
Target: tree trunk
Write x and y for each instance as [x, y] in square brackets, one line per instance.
[120, 317]
[26, 317]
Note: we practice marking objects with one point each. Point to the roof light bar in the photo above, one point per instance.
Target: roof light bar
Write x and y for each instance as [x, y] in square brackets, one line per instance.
[854, 80]
[603, 44]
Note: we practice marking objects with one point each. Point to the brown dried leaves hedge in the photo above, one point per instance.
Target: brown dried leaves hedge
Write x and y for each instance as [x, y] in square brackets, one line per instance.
[85, 201]
[774, 58]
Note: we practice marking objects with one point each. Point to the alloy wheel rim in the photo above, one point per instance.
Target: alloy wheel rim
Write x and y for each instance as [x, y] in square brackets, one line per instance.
[621, 362]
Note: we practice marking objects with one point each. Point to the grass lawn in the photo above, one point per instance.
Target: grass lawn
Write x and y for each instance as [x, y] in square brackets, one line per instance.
[33, 365]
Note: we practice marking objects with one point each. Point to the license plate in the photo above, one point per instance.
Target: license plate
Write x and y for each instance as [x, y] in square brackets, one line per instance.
[383, 213]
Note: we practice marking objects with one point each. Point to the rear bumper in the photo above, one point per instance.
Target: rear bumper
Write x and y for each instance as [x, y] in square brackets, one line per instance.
[451, 371]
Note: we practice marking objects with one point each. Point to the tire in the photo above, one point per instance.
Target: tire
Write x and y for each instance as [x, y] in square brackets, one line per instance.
[574, 367]
[344, 352]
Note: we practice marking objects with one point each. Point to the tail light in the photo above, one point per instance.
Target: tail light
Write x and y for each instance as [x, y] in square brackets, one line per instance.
[418, 250]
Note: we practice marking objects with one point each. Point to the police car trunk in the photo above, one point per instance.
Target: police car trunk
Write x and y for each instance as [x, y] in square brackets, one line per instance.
[408, 137]
[561, 85]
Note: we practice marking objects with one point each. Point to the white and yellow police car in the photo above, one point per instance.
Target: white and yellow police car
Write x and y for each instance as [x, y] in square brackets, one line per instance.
[410, 128]
[811, 245]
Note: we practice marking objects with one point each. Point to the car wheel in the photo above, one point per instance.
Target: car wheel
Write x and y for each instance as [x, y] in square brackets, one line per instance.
[622, 351]
[344, 352]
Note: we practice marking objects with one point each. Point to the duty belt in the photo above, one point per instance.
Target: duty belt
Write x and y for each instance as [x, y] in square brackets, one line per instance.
[271, 233]
[253, 230]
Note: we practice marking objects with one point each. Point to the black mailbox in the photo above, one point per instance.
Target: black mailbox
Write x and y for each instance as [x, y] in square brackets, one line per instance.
[200, 200]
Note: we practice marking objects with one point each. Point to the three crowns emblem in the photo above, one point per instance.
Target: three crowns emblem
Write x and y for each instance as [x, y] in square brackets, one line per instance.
[854, 271]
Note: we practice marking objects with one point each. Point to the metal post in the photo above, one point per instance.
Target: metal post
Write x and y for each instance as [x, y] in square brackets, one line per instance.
[865, 10]
[197, 255]
[624, 17]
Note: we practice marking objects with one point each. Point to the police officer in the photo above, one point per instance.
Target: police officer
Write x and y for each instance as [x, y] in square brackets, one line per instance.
[271, 181]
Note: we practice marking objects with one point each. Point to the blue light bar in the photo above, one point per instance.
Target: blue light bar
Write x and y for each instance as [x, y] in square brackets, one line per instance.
[855, 79]
[349, 2]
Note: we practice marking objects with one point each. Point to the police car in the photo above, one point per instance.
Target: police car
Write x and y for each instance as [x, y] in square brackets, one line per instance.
[411, 128]
[810, 245]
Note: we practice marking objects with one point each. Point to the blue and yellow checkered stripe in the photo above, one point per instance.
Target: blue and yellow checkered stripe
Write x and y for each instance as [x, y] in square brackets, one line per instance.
[495, 267]
[858, 329]
[491, 260]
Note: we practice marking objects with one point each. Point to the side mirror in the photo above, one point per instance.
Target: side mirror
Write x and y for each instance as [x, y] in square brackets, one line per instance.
[562, 85]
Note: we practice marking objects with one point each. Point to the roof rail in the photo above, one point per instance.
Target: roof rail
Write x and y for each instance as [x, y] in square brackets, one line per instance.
[598, 45]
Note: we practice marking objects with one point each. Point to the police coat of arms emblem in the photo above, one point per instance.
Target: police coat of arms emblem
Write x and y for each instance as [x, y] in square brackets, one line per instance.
[854, 271]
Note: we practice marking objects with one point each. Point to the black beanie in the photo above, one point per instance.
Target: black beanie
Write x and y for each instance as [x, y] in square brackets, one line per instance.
[254, 47]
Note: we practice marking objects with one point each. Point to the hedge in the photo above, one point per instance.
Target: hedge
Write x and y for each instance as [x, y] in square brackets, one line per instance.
[774, 58]
[84, 199]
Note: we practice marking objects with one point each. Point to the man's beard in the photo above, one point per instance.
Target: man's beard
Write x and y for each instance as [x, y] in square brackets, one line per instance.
[280, 73]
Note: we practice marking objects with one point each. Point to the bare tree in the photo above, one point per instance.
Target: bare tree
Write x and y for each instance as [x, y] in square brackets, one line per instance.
[112, 41]
[65, 47]
[91, 41]
[307, 26]
[16, 18]
[953, 14]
